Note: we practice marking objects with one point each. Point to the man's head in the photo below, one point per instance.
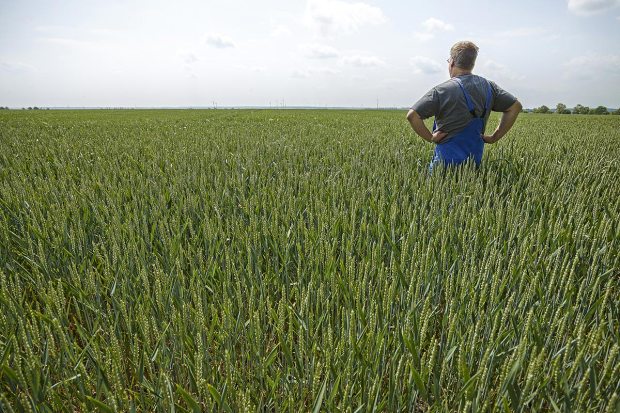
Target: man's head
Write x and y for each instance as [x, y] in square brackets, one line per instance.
[463, 57]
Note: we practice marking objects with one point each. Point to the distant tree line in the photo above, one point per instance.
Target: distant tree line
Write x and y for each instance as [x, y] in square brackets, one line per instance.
[28, 108]
[561, 109]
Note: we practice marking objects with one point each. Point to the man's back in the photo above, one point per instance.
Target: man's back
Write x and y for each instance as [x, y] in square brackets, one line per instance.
[448, 104]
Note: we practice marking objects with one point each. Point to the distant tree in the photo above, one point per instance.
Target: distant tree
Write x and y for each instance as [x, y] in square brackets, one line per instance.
[616, 112]
[560, 108]
[581, 110]
[29, 107]
[542, 109]
[600, 110]
[35, 108]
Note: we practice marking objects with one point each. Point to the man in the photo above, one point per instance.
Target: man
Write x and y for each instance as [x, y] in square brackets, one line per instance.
[461, 107]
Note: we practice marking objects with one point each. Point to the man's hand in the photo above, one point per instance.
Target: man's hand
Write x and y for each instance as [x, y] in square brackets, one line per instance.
[505, 123]
[420, 128]
[439, 136]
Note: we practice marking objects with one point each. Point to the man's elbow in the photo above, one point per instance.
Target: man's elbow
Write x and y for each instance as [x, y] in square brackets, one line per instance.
[516, 107]
[411, 115]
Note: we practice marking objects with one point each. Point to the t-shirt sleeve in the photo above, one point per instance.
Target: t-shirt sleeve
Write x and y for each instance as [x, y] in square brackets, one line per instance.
[428, 105]
[503, 100]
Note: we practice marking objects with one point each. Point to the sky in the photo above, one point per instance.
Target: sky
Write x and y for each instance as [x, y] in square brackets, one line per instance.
[353, 53]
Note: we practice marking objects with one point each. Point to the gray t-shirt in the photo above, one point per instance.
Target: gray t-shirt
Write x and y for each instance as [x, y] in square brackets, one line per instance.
[447, 103]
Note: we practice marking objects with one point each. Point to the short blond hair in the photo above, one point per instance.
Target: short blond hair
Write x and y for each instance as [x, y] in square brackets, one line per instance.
[464, 54]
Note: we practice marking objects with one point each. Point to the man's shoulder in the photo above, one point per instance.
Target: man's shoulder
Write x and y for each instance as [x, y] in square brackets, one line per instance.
[452, 83]
[445, 86]
[475, 79]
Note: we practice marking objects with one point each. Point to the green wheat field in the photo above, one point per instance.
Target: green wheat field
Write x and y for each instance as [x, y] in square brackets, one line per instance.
[305, 261]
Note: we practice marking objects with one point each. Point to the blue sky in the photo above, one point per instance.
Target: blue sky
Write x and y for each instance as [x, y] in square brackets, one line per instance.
[310, 52]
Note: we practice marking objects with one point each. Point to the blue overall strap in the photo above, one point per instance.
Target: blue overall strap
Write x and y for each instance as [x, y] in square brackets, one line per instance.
[487, 104]
[470, 105]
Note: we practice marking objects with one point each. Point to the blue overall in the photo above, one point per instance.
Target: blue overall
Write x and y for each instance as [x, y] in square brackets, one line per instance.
[468, 142]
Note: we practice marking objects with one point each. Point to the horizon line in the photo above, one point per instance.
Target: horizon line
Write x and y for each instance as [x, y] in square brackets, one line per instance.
[232, 107]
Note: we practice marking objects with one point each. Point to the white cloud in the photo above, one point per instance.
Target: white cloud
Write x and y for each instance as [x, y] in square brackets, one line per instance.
[336, 16]
[15, 67]
[252, 69]
[435, 25]
[320, 51]
[426, 65]
[301, 74]
[430, 27]
[423, 37]
[280, 30]
[219, 41]
[594, 64]
[590, 7]
[363, 61]
[493, 65]
[316, 71]
[188, 57]
[67, 41]
[497, 70]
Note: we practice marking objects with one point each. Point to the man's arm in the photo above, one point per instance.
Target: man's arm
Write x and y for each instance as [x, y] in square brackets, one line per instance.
[505, 123]
[420, 128]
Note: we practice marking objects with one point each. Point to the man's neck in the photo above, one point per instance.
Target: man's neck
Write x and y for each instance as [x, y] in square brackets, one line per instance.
[460, 72]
